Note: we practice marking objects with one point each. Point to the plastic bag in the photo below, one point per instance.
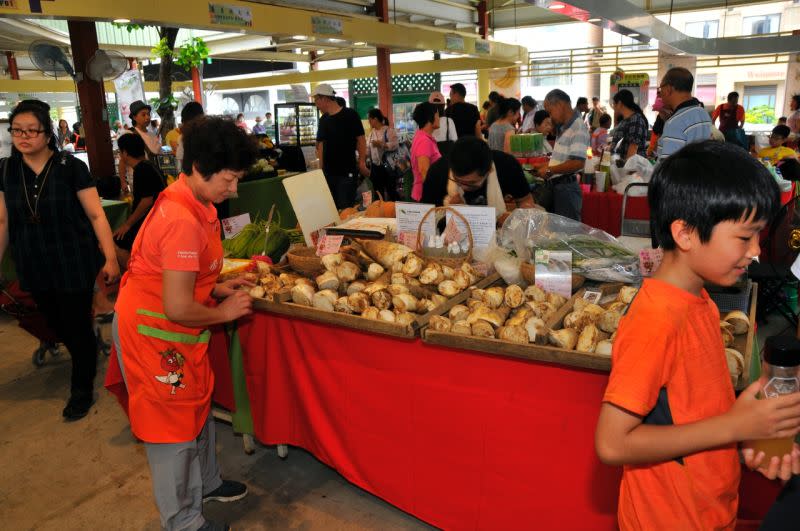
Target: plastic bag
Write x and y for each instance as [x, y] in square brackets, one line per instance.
[637, 191]
[638, 165]
[595, 254]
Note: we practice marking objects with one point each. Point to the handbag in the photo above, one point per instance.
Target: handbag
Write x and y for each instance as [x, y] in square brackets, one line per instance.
[398, 161]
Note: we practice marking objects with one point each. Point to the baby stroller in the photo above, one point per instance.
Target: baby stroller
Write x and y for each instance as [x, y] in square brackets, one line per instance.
[21, 306]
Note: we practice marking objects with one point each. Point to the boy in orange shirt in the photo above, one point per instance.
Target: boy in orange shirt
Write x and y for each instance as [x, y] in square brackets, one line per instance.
[669, 414]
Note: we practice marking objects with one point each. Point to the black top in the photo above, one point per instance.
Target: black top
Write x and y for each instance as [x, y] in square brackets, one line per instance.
[147, 182]
[55, 249]
[509, 174]
[465, 116]
[338, 134]
[632, 130]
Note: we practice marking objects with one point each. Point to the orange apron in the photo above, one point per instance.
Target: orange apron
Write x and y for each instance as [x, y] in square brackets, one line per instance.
[167, 371]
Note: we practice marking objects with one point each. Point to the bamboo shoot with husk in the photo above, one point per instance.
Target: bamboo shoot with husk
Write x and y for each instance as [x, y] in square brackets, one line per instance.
[515, 334]
[588, 339]
[482, 329]
[565, 338]
[325, 300]
[514, 296]
[462, 328]
[385, 253]
[440, 324]
[302, 294]
[537, 330]
[459, 312]
[739, 322]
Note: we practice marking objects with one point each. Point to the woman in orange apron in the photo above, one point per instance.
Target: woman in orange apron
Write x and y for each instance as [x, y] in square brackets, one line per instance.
[164, 305]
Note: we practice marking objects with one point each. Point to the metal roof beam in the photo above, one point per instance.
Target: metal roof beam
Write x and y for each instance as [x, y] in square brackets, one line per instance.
[265, 19]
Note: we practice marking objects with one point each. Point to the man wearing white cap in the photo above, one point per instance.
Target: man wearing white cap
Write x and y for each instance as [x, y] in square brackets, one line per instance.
[341, 146]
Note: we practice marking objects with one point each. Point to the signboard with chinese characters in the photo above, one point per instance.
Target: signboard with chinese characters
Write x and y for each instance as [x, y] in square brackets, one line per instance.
[484, 47]
[326, 26]
[228, 15]
[453, 42]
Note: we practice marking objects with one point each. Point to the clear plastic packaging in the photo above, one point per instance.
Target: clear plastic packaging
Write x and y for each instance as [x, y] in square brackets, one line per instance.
[596, 255]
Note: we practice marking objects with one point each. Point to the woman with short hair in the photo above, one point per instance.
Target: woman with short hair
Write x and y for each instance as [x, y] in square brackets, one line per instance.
[424, 150]
[164, 307]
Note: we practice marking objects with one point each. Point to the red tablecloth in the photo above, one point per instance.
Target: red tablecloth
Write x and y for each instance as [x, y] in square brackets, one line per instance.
[603, 210]
[459, 439]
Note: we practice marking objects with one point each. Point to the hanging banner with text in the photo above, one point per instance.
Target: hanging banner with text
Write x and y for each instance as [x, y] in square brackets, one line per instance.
[129, 88]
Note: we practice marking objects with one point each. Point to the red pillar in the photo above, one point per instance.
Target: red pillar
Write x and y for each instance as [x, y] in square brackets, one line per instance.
[483, 19]
[384, 66]
[12, 65]
[92, 99]
[197, 85]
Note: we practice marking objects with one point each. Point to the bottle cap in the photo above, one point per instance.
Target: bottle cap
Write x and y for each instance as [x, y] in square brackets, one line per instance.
[782, 351]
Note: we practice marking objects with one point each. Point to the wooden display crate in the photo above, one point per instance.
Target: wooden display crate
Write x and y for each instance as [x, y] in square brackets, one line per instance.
[531, 351]
[573, 358]
[283, 306]
[744, 343]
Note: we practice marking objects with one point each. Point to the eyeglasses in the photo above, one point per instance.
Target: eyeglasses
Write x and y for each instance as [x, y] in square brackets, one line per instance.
[470, 184]
[27, 133]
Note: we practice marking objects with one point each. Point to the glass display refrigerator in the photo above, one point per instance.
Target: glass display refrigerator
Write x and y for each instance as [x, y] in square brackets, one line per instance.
[296, 124]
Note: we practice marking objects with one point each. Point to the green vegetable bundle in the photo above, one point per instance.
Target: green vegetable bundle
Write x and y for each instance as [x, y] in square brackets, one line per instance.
[250, 241]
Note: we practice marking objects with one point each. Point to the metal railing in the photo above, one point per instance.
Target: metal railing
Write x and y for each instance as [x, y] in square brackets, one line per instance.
[607, 59]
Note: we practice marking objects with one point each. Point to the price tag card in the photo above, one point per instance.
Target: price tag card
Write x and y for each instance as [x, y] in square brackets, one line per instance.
[409, 216]
[554, 271]
[592, 296]
[234, 225]
[329, 244]
[649, 260]
[366, 198]
[482, 222]
[409, 239]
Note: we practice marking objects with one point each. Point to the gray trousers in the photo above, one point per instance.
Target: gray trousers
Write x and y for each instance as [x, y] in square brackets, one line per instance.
[181, 472]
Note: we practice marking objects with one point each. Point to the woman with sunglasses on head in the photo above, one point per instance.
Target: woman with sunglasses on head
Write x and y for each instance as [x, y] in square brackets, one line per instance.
[52, 219]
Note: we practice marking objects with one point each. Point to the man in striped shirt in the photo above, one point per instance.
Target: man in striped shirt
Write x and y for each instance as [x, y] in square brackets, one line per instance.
[689, 121]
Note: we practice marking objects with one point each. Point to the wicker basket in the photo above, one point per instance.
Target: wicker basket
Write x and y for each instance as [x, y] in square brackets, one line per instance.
[453, 261]
[305, 261]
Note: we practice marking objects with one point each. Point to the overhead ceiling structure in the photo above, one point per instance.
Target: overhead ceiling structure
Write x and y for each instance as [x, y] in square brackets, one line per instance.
[278, 27]
[522, 13]
[628, 18]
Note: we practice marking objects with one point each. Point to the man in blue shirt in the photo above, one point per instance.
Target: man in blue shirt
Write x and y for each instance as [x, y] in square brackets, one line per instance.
[569, 155]
[689, 121]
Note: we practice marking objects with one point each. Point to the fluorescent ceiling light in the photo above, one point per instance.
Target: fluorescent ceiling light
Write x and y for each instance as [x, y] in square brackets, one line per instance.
[556, 6]
[518, 62]
[359, 43]
[633, 35]
[594, 20]
[121, 20]
[335, 40]
[300, 37]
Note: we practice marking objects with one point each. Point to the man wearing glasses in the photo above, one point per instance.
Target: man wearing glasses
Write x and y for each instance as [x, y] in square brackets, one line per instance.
[475, 175]
[689, 121]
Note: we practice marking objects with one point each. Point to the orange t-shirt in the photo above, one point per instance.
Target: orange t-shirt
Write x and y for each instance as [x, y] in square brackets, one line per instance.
[175, 239]
[670, 339]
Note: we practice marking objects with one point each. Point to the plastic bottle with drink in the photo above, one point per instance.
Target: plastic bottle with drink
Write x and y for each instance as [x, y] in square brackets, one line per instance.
[780, 371]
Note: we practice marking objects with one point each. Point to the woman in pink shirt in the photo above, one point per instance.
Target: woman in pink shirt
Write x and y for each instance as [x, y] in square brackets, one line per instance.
[424, 150]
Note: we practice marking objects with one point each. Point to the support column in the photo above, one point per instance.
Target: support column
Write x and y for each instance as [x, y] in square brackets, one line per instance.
[483, 87]
[595, 40]
[483, 19]
[92, 99]
[384, 66]
[13, 71]
[197, 85]
[792, 80]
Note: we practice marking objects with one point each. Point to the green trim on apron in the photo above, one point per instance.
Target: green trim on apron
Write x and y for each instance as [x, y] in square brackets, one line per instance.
[175, 337]
[148, 313]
